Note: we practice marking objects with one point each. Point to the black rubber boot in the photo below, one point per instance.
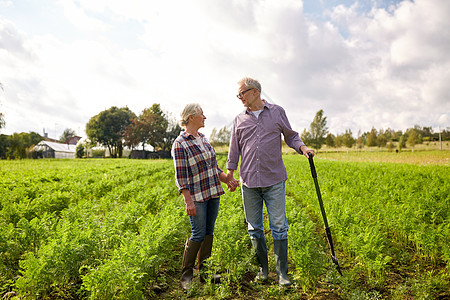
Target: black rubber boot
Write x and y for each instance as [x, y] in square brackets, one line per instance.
[280, 249]
[260, 247]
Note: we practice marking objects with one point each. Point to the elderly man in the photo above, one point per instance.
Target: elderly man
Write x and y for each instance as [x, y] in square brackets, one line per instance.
[256, 138]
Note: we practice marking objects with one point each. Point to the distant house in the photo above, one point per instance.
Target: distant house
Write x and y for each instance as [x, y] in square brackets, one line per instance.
[46, 149]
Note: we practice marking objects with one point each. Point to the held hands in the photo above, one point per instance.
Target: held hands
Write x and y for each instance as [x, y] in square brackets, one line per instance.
[232, 183]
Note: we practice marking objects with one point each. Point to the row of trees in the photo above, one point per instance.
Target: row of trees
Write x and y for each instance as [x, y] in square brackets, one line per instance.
[116, 127]
[21, 145]
[18, 145]
[318, 135]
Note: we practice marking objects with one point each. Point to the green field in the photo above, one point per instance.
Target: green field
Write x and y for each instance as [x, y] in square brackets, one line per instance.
[115, 229]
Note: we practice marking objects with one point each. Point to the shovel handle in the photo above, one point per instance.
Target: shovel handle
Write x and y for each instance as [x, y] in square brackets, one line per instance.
[322, 210]
[311, 165]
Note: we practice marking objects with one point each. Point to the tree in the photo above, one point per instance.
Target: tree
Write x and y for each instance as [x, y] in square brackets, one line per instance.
[173, 131]
[359, 140]
[157, 124]
[107, 128]
[221, 137]
[381, 140]
[372, 138]
[67, 135]
[80, 151]
[329, 140]
[413, 138]
[401, 143]
[152, 127]
[132, 135]
[4, 145]
[339, 141]
[348, 139]
[149, 128]
[396, 135]
[317, 130]
[306, 137]
[18, 143]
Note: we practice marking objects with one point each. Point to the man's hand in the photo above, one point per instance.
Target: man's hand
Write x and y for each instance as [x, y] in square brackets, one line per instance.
[306, 151]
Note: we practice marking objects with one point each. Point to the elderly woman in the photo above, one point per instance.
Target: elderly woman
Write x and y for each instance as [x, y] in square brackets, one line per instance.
[197, 177]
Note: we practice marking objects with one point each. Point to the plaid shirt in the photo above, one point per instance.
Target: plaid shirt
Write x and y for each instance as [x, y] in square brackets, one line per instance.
[195, 168]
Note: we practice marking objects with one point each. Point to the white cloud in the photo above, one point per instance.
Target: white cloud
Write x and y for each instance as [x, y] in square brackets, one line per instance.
[78, 17]
[6, 3]
[381, 68]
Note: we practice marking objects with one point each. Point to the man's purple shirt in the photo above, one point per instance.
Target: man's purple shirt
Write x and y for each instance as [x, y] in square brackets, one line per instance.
[258, 142]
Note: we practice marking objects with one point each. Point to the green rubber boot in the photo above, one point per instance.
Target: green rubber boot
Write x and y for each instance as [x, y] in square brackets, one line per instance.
[280, 248]
[260, 247]
[190, 253]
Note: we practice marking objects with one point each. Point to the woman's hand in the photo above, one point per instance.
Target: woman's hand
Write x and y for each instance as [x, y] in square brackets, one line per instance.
[190, 208]
[190, 205]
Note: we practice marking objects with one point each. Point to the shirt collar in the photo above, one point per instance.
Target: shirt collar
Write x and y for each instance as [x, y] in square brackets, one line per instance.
[190, 136]
[266, 104]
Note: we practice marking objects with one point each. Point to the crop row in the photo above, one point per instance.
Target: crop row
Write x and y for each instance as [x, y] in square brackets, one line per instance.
[390, 222]
[105, 229]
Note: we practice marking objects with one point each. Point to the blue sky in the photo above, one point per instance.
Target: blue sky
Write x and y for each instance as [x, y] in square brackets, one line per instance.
[375, 63]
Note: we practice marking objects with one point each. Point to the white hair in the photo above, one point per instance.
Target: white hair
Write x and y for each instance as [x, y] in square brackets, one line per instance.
[189, 110]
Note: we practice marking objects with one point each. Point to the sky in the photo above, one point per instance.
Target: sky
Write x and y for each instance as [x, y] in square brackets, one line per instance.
[367, 64]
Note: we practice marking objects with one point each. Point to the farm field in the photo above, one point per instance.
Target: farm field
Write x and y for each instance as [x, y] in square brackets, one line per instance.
[434, 157]
[115, 229]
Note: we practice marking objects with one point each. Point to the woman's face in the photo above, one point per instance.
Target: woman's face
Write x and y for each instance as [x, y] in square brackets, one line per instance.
[198, 120]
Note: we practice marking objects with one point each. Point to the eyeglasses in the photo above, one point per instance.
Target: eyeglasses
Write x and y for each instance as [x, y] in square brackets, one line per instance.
[241, 94]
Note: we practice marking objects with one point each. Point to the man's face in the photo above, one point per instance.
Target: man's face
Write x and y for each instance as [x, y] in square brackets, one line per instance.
[247, 95]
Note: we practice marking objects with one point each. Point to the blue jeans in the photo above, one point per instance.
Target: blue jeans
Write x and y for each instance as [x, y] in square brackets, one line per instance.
[275, 200]
[204, 220]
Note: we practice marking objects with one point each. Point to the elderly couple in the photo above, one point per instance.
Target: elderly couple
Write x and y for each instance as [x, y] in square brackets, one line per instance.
[256, 138]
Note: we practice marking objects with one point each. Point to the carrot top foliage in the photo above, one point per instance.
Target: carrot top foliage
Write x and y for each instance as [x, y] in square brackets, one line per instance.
[114, 229]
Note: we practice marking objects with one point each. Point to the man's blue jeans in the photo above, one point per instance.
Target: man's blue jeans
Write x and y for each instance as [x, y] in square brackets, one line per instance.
[204, 220]
[275, 200]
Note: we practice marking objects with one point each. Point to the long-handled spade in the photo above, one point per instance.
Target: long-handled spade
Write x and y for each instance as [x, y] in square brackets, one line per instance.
[322, 209]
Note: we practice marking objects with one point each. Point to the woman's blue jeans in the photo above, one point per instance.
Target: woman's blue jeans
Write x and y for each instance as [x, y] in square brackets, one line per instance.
[204, 220]
[275, 200]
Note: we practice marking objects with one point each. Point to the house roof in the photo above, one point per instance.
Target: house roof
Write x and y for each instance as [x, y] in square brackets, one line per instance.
[57, 146]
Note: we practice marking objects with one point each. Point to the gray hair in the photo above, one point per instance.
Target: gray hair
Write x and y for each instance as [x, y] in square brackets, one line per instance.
[250, 83]
[189, 110]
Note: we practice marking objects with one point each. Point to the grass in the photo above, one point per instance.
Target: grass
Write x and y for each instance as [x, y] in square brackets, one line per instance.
[117, 228]
[423, 154]
[432, 157]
